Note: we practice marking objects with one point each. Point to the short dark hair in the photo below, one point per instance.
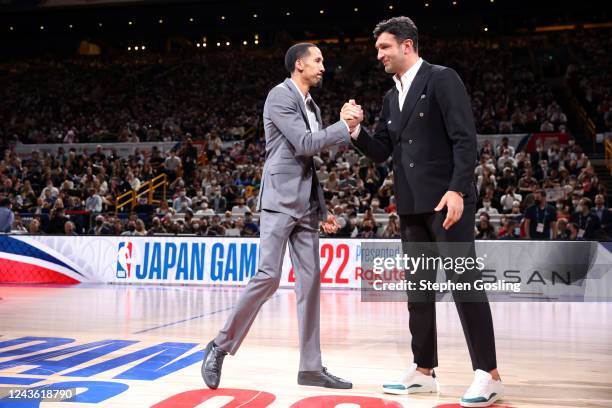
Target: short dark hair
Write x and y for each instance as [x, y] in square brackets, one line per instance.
[294, 53]
[403, 28]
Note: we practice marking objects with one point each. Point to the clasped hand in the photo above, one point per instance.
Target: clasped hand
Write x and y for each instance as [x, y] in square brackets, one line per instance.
[352, 114]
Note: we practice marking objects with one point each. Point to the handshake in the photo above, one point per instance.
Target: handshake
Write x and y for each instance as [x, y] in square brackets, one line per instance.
[352, 114]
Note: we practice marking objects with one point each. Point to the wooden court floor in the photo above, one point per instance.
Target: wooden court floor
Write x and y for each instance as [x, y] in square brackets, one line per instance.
[140, 346]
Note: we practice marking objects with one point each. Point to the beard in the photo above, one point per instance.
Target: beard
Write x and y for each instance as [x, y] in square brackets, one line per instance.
[318, 83]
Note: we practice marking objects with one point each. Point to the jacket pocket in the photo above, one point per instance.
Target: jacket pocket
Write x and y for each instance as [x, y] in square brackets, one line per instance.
[285, 169]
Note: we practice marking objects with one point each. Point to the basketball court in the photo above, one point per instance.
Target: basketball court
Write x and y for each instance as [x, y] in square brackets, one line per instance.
[142, 346]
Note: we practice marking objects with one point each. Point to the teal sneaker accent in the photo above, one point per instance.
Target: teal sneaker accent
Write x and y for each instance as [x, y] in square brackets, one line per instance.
[400, 386]
[478, 399]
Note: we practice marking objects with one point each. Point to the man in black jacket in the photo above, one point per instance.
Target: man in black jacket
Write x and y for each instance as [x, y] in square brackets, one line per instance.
[426, 125]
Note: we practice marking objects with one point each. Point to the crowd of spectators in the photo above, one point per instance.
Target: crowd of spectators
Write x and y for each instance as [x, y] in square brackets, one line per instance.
[589, 74]
[555, 187]
[154, 97]
[210, 105]
[551, 193]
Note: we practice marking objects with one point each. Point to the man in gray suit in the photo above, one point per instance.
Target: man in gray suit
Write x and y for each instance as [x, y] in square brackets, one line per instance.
[291, 206]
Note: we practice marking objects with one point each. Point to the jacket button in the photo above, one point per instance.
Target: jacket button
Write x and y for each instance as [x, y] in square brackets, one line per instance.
[411, 164]
[421, 114]
[410, 141]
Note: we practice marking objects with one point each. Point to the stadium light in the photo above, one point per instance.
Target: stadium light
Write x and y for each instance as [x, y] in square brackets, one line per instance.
[129, 48]
[70, 26]
[227, 43]
[136, 48]
[454, 3]
[161, 21]
[321, 11]
[257, 36]
[204, 45]
[222, 17]
[426, 4]
[288, 13]
[143, 48]
[486, 28]
[254, 15]
[390, 6]
[42, 27]
[12, 28]
[191, 19]
[99, 24]
[256, 42]
[244, 42]
[198, 45]
[218, 44]
[356, 9]
[130, 22]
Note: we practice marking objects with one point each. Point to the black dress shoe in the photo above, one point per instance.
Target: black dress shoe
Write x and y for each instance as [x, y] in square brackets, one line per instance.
[211, 367]
[322, 379]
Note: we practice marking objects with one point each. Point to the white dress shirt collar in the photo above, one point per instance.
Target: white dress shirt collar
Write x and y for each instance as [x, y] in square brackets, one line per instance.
[310, 110]
[405, 81]
[304, 98]
[403, 84]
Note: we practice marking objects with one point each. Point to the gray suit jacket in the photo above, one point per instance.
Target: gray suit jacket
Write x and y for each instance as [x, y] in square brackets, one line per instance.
[288, 172]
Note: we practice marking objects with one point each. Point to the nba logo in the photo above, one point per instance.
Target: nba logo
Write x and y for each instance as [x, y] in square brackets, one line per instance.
[124, 260]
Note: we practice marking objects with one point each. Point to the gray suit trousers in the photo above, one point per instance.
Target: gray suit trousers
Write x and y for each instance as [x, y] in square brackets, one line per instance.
[303, 236]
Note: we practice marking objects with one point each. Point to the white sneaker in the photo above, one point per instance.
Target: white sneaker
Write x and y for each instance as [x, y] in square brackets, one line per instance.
[483, 392]
[410, 382]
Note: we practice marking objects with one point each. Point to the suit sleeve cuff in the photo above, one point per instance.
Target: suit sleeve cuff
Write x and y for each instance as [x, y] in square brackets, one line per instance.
[355, 132]
[346, 124]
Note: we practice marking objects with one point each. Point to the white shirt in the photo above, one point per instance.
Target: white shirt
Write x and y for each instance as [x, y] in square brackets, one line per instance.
[94, 203]
[239, 210]
[312, 116]
[403, 84]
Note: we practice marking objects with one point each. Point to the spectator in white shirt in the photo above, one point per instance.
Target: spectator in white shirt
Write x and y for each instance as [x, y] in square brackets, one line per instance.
[505, 145]
[239, 208]
[54, 191]
[133, 181]
[487, 208]
[93, 203]
[505, 158]
[205, 210]
[508, 199]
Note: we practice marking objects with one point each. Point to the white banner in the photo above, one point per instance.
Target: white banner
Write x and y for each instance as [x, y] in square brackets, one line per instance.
[563, 269]
[173, 260]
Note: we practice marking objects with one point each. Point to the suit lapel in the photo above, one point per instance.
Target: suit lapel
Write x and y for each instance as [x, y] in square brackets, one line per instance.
[395, 113]
[414, 93]
[300, 100]
[318, 115]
